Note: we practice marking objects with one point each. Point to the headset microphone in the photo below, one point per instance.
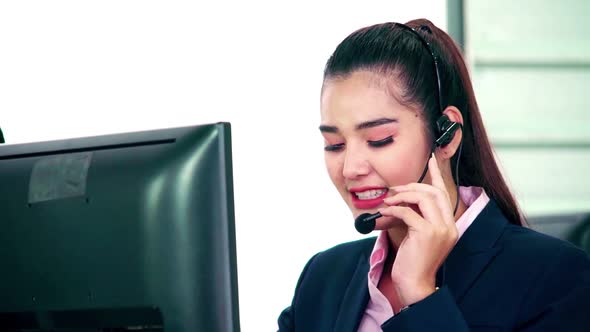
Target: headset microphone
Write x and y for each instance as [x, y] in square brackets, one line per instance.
[365, 223]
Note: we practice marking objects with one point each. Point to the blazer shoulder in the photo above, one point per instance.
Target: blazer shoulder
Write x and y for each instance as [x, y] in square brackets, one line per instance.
[555, 272]
[532, 248]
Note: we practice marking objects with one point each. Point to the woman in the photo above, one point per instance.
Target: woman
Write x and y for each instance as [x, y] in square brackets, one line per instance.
[404, 138]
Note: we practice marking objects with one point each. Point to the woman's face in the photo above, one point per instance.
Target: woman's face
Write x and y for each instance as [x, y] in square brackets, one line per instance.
[372, 142]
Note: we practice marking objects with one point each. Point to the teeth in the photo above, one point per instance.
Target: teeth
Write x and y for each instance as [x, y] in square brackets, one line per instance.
[370, 194]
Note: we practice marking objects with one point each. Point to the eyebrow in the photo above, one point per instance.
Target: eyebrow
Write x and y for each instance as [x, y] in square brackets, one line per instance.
[360, 126]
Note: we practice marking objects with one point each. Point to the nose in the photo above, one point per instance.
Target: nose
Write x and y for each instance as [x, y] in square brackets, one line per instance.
[355, 164]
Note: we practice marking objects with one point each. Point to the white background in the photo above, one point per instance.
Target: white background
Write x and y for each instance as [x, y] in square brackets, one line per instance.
[82, 68]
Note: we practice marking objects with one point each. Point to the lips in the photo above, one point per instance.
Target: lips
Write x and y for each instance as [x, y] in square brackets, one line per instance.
[370, 203]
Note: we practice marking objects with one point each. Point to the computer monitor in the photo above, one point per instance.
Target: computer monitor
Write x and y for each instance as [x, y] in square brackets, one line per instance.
[120, 232]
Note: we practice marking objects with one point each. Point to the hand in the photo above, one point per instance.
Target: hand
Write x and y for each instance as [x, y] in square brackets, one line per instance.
[431, 235]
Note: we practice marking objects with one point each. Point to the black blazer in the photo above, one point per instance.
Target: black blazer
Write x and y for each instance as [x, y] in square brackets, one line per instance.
[499, 277]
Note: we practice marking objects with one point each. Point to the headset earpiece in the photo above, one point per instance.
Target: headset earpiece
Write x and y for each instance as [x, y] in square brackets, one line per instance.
[446, 130]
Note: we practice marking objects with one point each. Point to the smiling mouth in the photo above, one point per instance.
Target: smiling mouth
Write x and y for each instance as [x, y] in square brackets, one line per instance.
[368, 198]
[370, 194]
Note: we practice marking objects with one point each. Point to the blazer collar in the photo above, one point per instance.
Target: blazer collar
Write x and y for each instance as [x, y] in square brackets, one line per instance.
[474, 250]
[356, 297]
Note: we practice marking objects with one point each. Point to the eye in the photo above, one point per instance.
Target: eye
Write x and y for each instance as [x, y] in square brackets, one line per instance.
[334, 147]
[381, 142]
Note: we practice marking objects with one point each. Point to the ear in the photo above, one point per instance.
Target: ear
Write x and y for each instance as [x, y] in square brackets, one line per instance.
[449, 150]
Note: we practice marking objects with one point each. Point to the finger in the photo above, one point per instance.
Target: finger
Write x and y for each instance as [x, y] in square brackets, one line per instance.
[425, 201]
[435, 174]
[442, 197]
[410, 217]
[414, 222]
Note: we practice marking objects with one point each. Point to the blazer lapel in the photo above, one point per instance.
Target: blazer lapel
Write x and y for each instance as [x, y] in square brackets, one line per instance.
[474, 251]
[355, 298]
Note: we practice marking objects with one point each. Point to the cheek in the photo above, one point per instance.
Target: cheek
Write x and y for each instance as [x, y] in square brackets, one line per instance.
[400, 167]
[334, 167]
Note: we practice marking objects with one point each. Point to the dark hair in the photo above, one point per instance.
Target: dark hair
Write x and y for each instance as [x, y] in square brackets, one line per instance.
[391, 50]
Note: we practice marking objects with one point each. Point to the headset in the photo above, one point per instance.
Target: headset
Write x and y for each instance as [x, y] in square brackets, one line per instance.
[445, 127]
[365, 223]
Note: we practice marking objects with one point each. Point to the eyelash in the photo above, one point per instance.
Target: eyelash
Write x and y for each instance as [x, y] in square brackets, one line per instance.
[375, 144]
[382, 142]
[334, 147]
